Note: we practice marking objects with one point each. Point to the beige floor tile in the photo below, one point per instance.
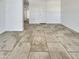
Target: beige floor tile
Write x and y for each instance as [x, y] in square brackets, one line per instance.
[39, 33]
[38, 41]
[7, 41]
[26, 38]
[51, 38]
[22, 33]
[75, 55]
[57, 51]
[39, 44]
[39, 55]
[71, 44]
[21, 51]
[4, 54]
[40, 28]
[25, 32]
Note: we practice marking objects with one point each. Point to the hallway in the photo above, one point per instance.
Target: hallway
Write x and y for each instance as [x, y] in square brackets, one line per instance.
[40, 41]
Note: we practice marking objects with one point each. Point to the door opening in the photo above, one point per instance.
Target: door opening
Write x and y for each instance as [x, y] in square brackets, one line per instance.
[26, 11]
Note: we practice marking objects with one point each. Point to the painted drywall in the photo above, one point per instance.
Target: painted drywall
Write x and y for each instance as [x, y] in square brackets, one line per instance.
[45, 11]
[14, 15]
[2, 16]
[70, 14]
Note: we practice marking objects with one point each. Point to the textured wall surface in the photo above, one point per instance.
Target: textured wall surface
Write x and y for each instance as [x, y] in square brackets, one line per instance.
[70, 14]
[14, 15]
[2, 15]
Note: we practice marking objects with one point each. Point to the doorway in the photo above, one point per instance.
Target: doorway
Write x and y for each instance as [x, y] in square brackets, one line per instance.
[26, 10]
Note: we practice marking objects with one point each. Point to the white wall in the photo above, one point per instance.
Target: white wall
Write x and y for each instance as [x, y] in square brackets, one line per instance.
[70, 14]
[2, 15]
[14, 15]
[45, 11]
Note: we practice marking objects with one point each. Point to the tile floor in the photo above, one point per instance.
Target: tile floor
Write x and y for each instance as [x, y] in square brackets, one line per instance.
[40, 41]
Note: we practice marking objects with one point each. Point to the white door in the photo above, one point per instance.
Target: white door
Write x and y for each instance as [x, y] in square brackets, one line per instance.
[44, 11]
[53, 11]
[37, 11]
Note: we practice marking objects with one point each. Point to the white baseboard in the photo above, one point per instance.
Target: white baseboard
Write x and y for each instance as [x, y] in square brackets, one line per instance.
[14, 29]
[49, 22]
[71, 27]
[2, 31]
[10, 30]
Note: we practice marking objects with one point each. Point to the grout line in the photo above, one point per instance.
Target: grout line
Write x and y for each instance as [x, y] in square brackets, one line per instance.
[47, 46]
[30, 47]
[66, 50]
